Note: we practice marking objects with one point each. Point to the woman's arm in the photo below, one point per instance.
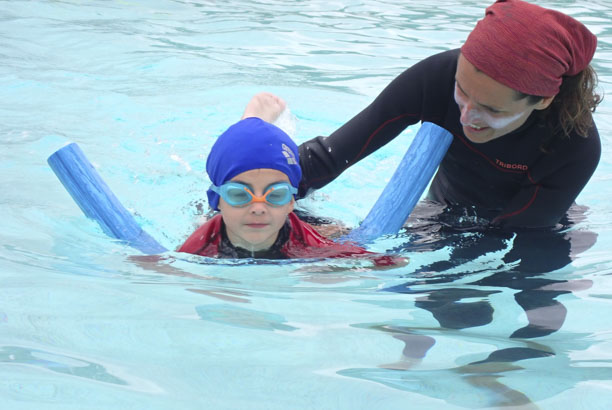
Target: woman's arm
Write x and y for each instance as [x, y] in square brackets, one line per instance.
[421, 93]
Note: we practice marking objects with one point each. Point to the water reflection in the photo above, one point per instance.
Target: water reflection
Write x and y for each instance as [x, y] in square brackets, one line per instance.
[242, 317]
[459, 299]
[528, 256]
[57, 363]
[505, 377]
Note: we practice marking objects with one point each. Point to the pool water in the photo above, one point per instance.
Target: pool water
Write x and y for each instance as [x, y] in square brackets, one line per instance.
[144, 88]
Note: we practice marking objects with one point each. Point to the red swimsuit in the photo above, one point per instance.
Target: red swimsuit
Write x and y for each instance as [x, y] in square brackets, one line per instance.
[304, 242]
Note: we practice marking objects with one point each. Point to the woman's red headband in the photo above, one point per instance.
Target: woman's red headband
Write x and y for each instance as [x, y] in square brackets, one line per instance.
[529, 48]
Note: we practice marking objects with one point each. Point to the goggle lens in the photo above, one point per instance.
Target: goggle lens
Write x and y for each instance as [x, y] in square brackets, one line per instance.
[279, 195]
[237, 194]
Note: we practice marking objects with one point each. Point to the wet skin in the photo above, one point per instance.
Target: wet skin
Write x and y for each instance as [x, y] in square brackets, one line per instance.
[255, 226]
[488, 108]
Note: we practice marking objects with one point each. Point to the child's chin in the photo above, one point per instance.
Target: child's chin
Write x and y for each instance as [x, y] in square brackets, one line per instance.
[256, 244]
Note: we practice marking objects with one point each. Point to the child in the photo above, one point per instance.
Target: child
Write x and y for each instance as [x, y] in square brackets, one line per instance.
[254, 169]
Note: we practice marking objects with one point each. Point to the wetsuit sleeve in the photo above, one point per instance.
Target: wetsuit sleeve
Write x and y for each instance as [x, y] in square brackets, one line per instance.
[413, 96]
[553, 185]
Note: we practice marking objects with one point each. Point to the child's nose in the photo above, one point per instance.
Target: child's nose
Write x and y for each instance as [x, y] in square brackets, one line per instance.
[258, 208]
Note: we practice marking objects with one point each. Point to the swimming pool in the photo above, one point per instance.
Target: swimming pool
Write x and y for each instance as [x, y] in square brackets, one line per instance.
[144, 87]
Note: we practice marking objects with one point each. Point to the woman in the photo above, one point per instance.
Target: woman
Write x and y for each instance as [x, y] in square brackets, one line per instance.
[518, 98]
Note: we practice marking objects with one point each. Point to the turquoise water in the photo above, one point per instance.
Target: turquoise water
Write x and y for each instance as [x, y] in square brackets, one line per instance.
[143, 88]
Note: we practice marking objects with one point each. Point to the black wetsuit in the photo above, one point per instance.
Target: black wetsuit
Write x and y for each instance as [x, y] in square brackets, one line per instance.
[228, 250]
[509, 181]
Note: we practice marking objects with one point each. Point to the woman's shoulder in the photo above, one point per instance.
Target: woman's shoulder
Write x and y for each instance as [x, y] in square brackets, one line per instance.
[445, 61]
[580, 146]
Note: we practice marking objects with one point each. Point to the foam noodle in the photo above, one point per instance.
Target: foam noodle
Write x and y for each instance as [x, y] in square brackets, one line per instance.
[97, 201]
[407, 184]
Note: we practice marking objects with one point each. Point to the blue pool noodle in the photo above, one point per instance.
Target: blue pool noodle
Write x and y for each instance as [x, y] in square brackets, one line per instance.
[97, 201]
[407, 184]
[388, 215]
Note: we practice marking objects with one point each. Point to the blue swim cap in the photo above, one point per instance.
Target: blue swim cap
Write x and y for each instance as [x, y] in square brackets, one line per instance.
[251, 144]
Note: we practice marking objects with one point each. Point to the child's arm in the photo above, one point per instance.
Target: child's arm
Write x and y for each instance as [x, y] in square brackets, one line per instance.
[266, 106]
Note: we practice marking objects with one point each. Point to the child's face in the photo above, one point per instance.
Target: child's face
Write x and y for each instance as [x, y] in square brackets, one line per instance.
[255, 226]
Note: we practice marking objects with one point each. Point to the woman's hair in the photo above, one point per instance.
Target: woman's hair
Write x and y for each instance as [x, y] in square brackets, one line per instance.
[572, 108]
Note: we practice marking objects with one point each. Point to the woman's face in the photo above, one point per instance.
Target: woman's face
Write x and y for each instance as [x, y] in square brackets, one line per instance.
[488, 108]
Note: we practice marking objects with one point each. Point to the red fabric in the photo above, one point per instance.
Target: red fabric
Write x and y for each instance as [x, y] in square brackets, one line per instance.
[304, 242]
[529, 48]
[206, 239]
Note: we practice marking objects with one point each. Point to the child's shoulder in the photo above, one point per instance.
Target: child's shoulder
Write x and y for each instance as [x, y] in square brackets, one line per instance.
[327, 227]
[207, 233]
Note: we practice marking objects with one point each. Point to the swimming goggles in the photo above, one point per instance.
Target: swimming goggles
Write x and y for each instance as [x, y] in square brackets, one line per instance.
[237, 194]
